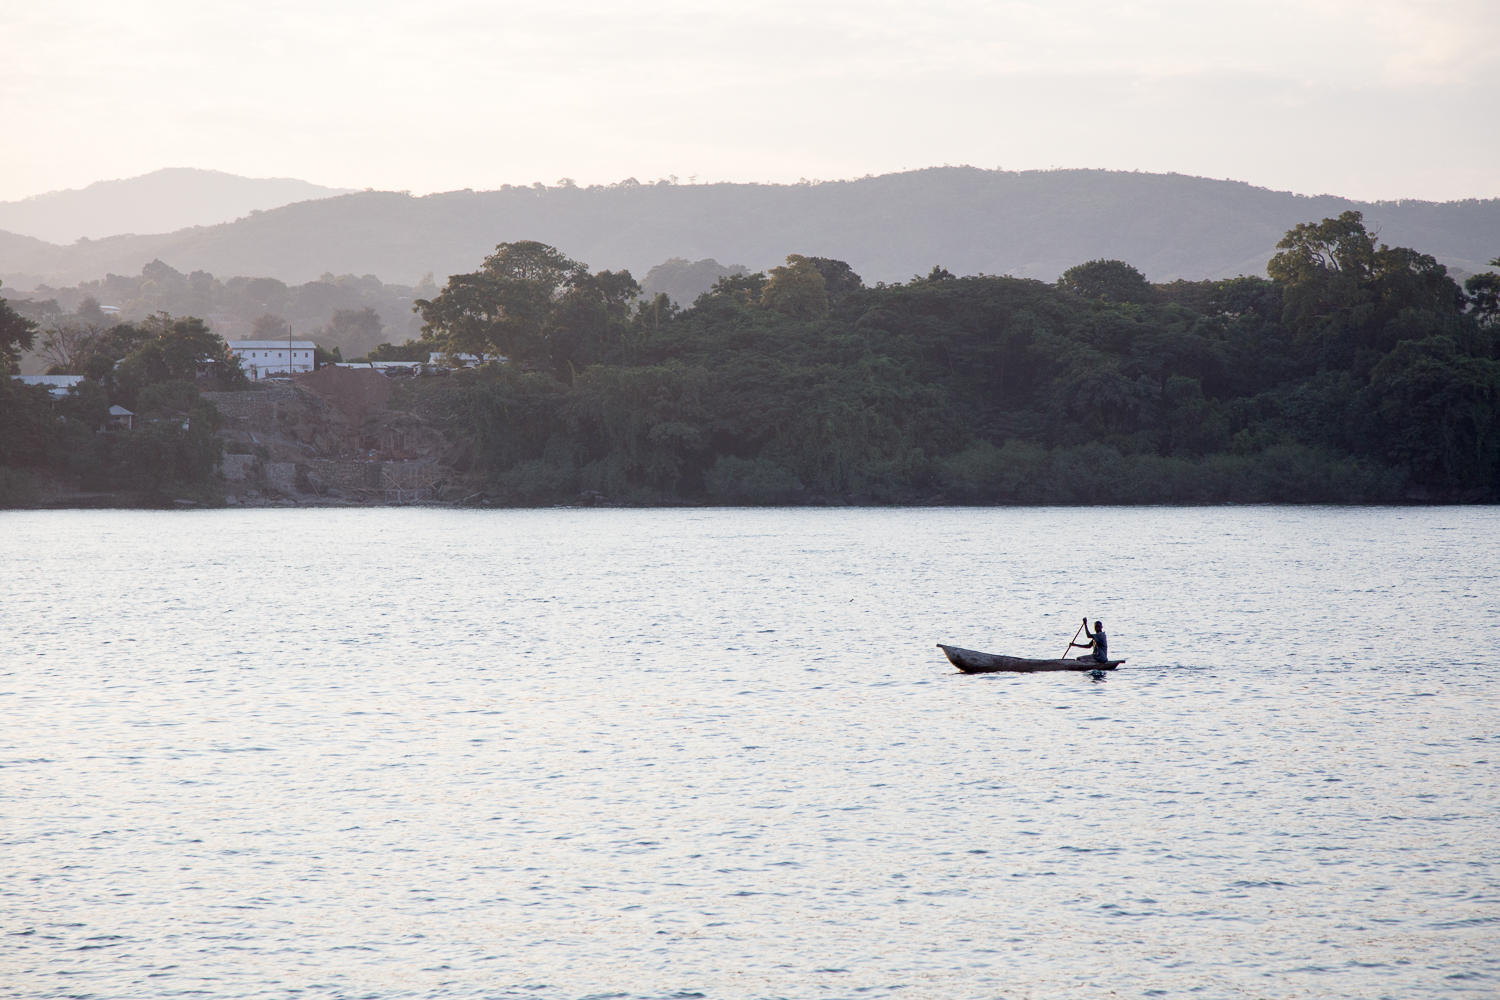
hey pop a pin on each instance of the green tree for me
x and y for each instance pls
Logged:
(1439, 413)
(744, 289)
(531, 304)
(505, 306)
(412, 350)
(174, 444)
(102, 353)
(839, 279)
(1109, 280)
(175, 350)
(798, 289)
(1484, 295)
(528, 260)
(27, 427)
(1344, 292)
(16, 335)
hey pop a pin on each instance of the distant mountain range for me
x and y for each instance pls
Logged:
(163, 201)
(1029, 224)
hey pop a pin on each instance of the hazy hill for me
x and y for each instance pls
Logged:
(1028, 224)
(160, 202)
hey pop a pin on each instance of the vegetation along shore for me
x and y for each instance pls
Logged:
(1356, 373)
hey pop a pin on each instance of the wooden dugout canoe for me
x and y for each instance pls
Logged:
(972, 662)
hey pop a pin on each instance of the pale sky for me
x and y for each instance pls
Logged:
(1371, 99)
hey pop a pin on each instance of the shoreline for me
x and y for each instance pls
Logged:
(116, 501)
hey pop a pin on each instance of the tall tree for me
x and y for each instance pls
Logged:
(528, 260)
(1484, 295)
(839, 279)
(798, 289)
(530, 303)
(1109, 280)
(16, 335)
(1344, 291)
(65, 345)
(175, 350)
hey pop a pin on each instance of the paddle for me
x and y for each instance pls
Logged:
(1064, 655)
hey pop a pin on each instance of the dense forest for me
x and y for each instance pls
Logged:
(1356, 373)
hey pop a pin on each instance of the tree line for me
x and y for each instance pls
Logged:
(1356, 372)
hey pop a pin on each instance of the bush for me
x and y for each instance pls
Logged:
(536, 481)
(757, 481)
(1024, 473)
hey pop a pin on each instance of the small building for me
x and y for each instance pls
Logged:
(119, 417)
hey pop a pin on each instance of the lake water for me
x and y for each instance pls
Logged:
(714, 753)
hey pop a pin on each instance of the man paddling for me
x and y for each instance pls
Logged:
(1098, 641)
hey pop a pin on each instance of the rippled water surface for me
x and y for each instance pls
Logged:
(571, 753)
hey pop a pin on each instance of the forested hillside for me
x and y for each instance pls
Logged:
(1030, 224)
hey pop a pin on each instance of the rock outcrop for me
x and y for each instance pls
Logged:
(330, 434)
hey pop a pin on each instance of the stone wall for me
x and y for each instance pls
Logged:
(238, 467)
(345, 475)
(259, 407)
(410, 475)
(280, 476)
(389, 480)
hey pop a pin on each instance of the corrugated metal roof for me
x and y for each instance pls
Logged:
(57, 380)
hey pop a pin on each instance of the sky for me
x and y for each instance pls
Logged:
(1369, 99)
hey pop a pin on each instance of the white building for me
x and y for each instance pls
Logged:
(268, 357)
